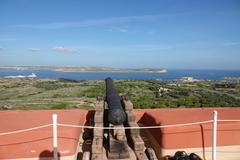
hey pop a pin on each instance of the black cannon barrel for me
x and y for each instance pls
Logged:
(116, 114)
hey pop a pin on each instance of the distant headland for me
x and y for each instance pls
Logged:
(86, 69)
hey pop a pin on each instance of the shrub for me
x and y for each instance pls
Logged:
(62, 105)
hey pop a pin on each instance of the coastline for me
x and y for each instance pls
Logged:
(86, 69)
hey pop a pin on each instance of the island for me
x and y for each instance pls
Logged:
(86, 69)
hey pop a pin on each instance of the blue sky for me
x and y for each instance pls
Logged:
(177, 34)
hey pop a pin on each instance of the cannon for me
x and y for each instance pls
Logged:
(121, 139)
(116, 141)
(116, 114)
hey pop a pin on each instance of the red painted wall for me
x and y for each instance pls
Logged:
(191, 136)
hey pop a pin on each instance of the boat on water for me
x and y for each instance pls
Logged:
(33, 75)
(162, 71)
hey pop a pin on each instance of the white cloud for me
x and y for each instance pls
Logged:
(62, 49)
(231, 43)
(152, 47)
(8, 39)
(35, 49)
(93, 22)
(151, 32)
(123, 30)
(118, 29)
(127, 29)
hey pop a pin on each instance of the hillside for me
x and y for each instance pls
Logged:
(28, 93)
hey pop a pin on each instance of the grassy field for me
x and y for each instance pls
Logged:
(25, 93)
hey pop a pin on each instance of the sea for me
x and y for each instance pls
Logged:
(171, 74)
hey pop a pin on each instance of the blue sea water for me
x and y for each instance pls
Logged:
(169, 75)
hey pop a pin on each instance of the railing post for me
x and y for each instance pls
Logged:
(55, 150)
(214, 136)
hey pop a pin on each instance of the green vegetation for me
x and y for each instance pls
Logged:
(64, 94)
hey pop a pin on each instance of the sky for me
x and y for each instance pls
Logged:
(173, 34)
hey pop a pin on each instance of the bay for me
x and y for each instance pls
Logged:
(169, 75)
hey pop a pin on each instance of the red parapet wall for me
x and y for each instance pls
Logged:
(39, 143)
(197, 136)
